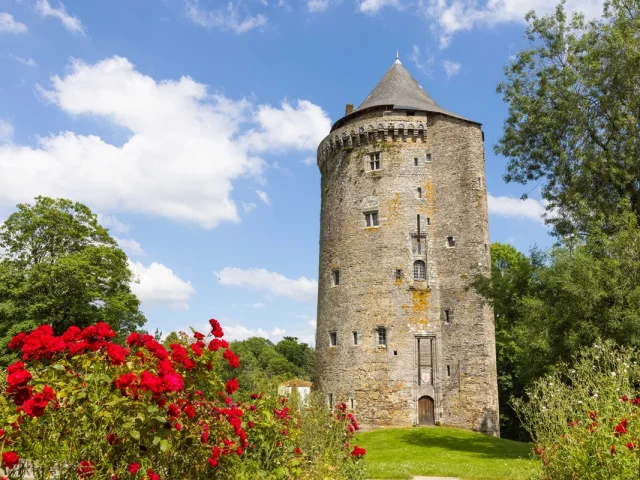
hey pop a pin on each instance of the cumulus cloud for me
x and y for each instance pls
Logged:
(453, 16)
(315, 6)
(373, 6)
(301, 127)
(264, 197)
(451, 68)
(157, 285)
(6, 131)
(225, 19)
(130, 246)
(112, 223)
(240, 332)
(9, 25)
(529, 209)
(70, 22)
(185, 149)
(276, 284)
(422, 62)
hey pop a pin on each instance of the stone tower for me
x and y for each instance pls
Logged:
(404, 228)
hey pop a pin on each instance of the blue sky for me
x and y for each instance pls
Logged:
(191, 128)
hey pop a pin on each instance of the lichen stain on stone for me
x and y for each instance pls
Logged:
(393, 208)
(416, 312)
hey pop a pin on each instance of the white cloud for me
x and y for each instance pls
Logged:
(112, 223)
(71, 23)
(6, 131)
(373, 6)
(185, 149)
(251, 305)
(130, 246)
(315, 6)
(264, 197)
(301, 127)
(302, 289)
(453, 16)
(529, 209)
(420, 64)
(30, 62)
(249, 207)
(159, 286)
(451, 68)
(9, 25)
(228, 19)
(309, 161)
(240, 332)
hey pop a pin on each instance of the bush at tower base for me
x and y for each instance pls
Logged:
(80, 406)
(585, 420)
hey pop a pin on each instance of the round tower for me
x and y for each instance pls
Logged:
(404, 228)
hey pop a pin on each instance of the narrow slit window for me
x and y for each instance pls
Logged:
(355, 338)
(371, 219)
(419, 192)
(418, 270)
(352, 403)
(382, 336)
(335, 277)
(330, 400)
(374, 161)
(428, 221)
(415, 162)
(451, 242)
(447, 316)
(333, 339)
(428, 157)
(448, 370)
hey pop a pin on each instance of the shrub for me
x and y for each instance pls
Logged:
(85, 407)
(585, 420)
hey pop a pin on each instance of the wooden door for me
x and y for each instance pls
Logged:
(425, 411)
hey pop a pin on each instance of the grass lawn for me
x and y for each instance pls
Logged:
(440, 451)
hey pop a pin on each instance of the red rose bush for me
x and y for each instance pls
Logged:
(81, 406)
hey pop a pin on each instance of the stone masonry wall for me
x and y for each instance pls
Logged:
(381, 384)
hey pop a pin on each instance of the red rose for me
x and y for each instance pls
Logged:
(10, 459)
(216, 330)
(357, 451)
(85, 469)
(298, 451)
(231, 358)
(231, 386)
(112, 438)
(174, 410)
(621, 428)
(133, 468)
(151, 475)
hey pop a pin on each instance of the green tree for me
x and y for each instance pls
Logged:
(299, 354)
(58, 266)
(574, 115)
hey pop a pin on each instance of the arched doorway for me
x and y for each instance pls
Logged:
(426, 414)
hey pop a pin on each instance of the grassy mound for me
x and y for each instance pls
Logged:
(448, 452)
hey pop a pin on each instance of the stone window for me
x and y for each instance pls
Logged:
(419, 192)
(448, 370)
(415, 162)
(479, 182)
(451, 242)
(333, 339)
(352, 403)
(398, 273)
(428, 157)
(335, 277)
(330, 400)
(419, 247)
(374, 161)
(382, 336)
(355, 338)
(371, 219)
(419, 270)
(428, 221)
(447, 316)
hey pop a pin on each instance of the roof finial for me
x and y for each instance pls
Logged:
(397, 57)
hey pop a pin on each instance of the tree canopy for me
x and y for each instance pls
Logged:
(58, 266)
(574, 115)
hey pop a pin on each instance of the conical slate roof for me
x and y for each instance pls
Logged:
(400, 89)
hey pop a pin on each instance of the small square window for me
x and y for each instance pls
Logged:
(419, 192)
(333, 339)
(398, 273)
(355, 338)
(451, 242)
(335, 278)
(374, 161)
(428, 157)
(371, 219)
(382, 336)
(415, 162)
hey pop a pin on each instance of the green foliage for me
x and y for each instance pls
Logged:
(574, 114)
(60, 267)
(401, 453)
(585, 420)
(265, 364)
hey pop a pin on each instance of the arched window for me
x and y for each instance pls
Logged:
(418, 270)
